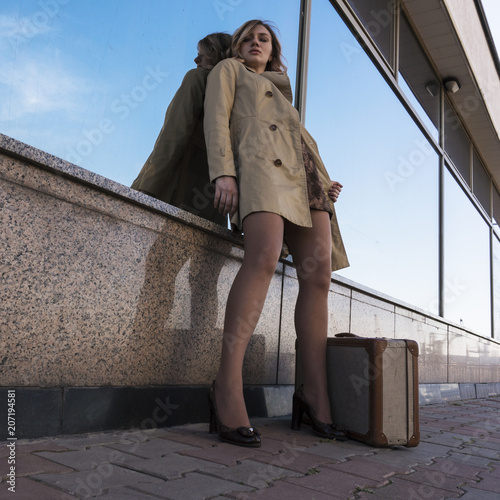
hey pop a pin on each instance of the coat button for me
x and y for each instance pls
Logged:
(269, 93)
(278, 163)
(272, 127)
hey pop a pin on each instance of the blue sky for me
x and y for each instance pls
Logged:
(89, 80)
(492, 10)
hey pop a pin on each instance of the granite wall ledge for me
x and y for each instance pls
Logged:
(24, 152)
(110, 287)
(109, 292)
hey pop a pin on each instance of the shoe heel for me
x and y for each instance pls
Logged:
(322, 429)
(297, 413)
(241, 436)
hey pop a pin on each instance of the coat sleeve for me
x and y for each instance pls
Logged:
(184, 111)
(219, 101)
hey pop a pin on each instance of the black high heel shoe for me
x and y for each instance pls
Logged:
(241, 436)
(299, 406)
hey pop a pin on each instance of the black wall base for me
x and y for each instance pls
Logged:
(57, 411)
(74, 410)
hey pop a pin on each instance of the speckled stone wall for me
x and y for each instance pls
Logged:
(97, 291)
(104, 286)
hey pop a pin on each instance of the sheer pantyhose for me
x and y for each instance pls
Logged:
(311, 251)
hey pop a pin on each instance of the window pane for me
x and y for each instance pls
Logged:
(90, 81)
(496, 211)
(466, 261)
(422, 85)
(481, 183)
(496, 285)
(456, 143)
(377, 16)
(388, 209)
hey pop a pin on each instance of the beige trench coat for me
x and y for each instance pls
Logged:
(177, 170)
(253, 133)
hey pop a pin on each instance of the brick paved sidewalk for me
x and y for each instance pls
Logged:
(458, 457)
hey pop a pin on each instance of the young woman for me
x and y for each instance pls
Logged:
(270, 179)
(177, 169)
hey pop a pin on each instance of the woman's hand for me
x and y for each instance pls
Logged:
(226, 195)
(334, 191)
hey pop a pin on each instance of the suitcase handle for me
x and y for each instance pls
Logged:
(343, 335)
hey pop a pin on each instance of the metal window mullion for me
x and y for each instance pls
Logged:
(395, 42)
(442, 167)
(303, 58)
(441, 257)
(471, 165)
(492, 284)
(492, 193)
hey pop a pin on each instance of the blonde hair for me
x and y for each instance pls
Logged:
(276, 63)
(217, 46)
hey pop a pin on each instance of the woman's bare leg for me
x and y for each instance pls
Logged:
(263, 236)
(311, 250)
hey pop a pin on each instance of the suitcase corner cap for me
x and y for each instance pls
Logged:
(412, 347)
(413, 441)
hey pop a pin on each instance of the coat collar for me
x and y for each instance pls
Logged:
(279, 79)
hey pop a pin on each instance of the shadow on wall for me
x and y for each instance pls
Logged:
(175, 337)
(179, 316)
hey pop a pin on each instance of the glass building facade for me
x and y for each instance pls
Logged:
(419, 210)
(416, 207)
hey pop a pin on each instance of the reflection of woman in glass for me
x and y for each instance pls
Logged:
(270, 178)
(177, 170)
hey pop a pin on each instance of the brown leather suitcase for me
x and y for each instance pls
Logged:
(373, 388)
